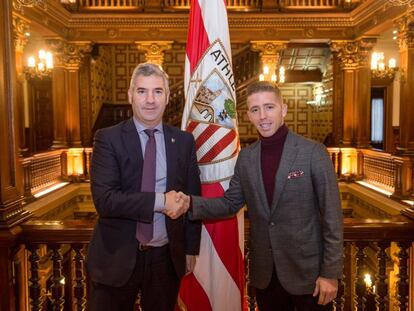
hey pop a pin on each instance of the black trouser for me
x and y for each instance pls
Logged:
(154, 276)
(276, 298)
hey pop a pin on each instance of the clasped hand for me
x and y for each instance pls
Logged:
(176, 204)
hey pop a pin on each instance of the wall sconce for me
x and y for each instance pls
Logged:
(269, 74)
(378, 67)
(318, 96)
(41, 66)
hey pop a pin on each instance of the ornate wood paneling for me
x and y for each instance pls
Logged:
(125, 58)
(174, 63)
(101, 79)
(298, 117)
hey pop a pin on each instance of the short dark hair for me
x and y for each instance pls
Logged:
(149, 69)
(264, 86)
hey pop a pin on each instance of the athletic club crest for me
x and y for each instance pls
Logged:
(214, 102)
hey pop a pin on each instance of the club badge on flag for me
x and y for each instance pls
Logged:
(217, 282)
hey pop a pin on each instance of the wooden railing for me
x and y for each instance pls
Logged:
(40, 171)
(388, 172)
(317, 4)
(68, 240)
(111, 4)
(232, 5)
(379, 169)
(44, 170)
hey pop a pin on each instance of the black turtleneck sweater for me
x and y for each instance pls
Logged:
(271, 152)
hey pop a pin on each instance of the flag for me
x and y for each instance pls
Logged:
(217, 282)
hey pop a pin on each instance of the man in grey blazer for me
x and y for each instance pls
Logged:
(294, 208)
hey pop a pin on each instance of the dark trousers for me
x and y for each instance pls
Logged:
(276, 298)
(154, 277)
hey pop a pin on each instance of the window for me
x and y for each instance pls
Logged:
(377, 117)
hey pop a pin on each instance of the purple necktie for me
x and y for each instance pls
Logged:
(144, 231)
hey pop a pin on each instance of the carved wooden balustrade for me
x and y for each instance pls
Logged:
(40, 171)
(317, 4)
(44, 170)
(379, 168)
(110, 4)
(232, 5)
(389, 172)
(69, 239)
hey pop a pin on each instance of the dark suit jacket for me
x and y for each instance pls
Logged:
(301, 233)
(116, 172)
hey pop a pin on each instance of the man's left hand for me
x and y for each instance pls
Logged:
(327, 290)
(190, 263)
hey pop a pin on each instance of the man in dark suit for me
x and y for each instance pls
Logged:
(136, 246)
(291, 192)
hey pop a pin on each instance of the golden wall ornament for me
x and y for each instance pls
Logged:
(353, 54)
(386, 74)
(20, 30)
(346, 52)
(410, 3)
(154, 50)
(405, 26)
(69, 54)
(19, 4)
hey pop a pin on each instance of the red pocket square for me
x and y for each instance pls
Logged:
(295, 174)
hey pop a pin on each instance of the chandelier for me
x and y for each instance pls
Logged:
(269, 74)
(41, 66)
(378, 67)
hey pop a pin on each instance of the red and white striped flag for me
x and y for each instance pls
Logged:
(210, 115)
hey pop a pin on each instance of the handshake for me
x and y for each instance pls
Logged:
(176, 204)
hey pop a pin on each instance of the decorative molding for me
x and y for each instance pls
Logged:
(19, 4)
(69, 54)
(154, 50)
(269, 52)
(268, 47)
(267, 24)
(346, 52)
(353, 54)
(20, 27)
(405, 26)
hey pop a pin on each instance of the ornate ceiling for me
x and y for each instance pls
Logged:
(270, 21)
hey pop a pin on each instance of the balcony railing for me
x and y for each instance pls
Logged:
(66, 241)
(232, 5)
(379, 169)
(317, 4)
(47, 169)
(110, 4)
(385, 171)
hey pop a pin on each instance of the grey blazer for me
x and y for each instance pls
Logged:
(301, 233)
